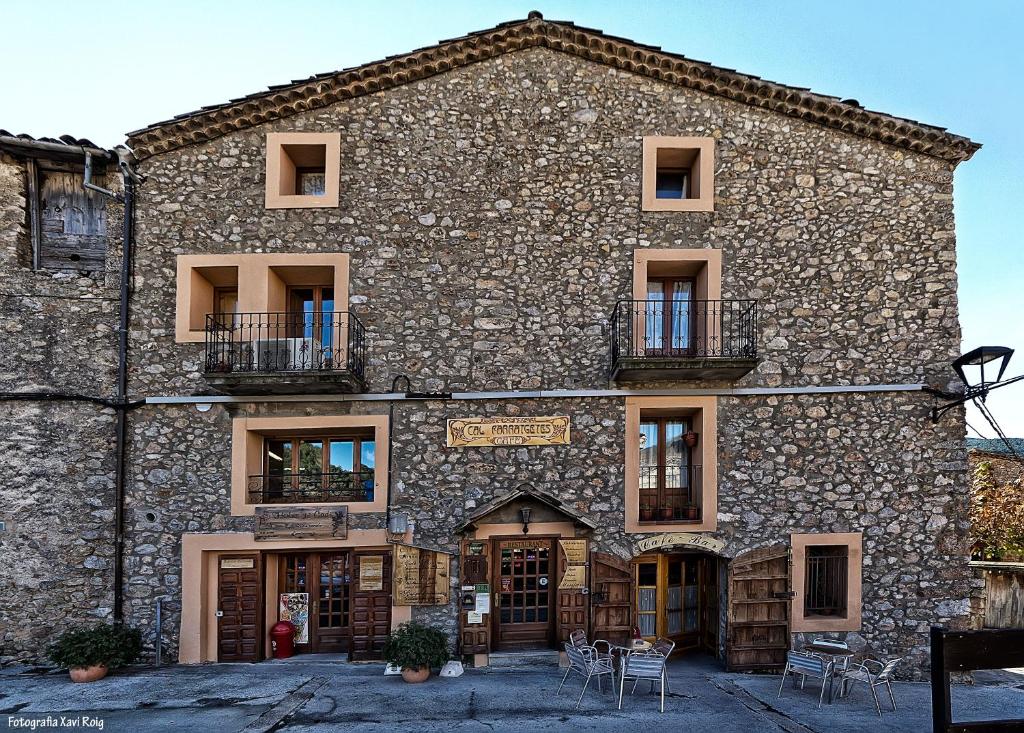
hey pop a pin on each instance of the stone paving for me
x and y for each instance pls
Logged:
(325, 694)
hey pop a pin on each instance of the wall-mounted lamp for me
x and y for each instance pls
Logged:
(524, 512)
(974, 391)
(203, 406)
(398, 523)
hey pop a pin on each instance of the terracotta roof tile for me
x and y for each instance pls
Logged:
(324, 89)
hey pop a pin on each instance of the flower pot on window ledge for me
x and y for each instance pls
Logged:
(691, 511)
(646, 513)
(666, 513)
(690, 438)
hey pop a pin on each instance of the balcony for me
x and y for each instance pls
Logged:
(683, 339)
(311, 488)
(670, 494)
(285, 353)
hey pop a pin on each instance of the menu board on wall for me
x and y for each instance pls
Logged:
(421, 577)
(371, 572)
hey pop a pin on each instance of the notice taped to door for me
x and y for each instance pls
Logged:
(371, 572)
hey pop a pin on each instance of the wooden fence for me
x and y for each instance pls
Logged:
(965, 651)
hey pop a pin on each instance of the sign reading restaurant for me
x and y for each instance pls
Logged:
(498, 431)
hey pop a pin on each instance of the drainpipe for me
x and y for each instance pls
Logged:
(121, 404)
(391, 444)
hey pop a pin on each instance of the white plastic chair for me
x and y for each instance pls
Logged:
(585, 661)
(646, 665)
(807, 665)
(874, 674)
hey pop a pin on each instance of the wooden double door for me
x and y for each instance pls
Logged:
(677, 597)
(349, 607)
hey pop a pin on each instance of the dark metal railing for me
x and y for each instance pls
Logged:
(285, 342)
(682, 329)
(825, 585)
(308, 488)
(670, 493)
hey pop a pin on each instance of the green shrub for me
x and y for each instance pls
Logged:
(413, 645)
(113, 645)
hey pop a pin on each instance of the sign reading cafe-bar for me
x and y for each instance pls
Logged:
(495, 431)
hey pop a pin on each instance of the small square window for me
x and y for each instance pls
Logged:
(678, 174)
(825, 580)
(302, 170)
(673, 183)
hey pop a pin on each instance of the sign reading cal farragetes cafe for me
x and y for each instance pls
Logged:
(498, 431)
(301, 523)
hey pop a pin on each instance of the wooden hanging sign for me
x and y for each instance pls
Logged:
(501, 431)
(681, 539)
(305, 523)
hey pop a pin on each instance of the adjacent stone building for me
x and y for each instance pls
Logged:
(534, 330)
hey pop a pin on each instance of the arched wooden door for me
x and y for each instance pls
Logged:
(760, 589)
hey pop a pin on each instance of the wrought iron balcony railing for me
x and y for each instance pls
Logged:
(670, 493)
(285, 342)
(311, 488)
(684, 329)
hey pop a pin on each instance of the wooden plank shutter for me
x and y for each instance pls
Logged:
(572, 605)
(73, 223)
(371, 609)
(475, 638)
(611, 602)
(758, 612)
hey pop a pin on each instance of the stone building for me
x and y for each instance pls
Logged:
(533, 330)
(59, 258)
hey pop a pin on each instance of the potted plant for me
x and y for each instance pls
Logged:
(666, 512)
(691, 511)
(690, 438)
(646, 512)
(416, 648)
(90, 652)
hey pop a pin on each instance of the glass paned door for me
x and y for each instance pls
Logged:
(524, 593)
(647, 599)
(669, 316)
(333, 602)
(665, 494)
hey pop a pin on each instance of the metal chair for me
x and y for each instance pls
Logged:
(664, 647)
(874, 674)
(585, 660)
(578, 637)
(841, 646)
(646, 665)
(807, 665)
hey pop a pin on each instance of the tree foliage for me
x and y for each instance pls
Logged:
(997, 514)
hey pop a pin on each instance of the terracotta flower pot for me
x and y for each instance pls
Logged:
(690, 438)
(420, 674)
(646, 514)
(88, 674)
(666, 512)
(691, 512)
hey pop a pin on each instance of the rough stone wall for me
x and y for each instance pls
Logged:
(59, 335)
(491, 215)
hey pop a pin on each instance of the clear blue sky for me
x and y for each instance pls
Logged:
(100, 69)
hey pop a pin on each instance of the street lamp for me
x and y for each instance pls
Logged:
(978, 357)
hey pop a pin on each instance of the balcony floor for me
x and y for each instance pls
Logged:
(653, 368)
(285, 383)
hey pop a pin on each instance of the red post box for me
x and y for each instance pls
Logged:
(282, 639)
